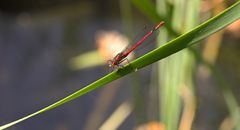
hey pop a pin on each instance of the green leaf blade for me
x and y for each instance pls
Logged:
(202, 31)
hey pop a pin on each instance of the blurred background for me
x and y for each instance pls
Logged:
(50, 49)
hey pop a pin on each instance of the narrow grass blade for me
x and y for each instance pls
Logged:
(200, 32)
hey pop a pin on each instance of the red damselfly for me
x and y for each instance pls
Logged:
(122, 56)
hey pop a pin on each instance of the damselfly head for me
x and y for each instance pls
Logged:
(110, 63)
